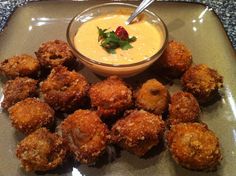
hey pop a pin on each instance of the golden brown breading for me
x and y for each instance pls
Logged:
(175, 60)
(31, 114)
(23, 65)
(138, 132)
(183, 108)
(152, 96)
(17, 90)
(41, 151)
(194, 146)
(54, 53)
(110, 96)
(63, 89)
(85, 134)
(202, 81)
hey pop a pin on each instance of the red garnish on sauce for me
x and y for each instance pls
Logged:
(122, 33)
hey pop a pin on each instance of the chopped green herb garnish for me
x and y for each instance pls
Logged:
(111, 40)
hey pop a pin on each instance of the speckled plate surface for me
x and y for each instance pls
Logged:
(194, 24)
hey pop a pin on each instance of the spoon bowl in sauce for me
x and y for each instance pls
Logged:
(148, 29)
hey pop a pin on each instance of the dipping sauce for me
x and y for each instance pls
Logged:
(149, 40)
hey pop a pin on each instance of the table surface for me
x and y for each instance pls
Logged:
(225, 9)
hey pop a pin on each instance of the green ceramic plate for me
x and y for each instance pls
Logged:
(194, 24)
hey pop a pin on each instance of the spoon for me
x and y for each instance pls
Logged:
(144, 4)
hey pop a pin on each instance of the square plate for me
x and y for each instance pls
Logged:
(194, 24)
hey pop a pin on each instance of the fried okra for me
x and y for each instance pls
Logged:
(194, 146)
(138, 132)
(175, 60)
(54, 53)
(202, 81)
(110, 96)
(22, 65)
(31, 114)
(17, 90)
(63, 89)
(86, 135)
(153, 96)
(183, 108)
(41, 151)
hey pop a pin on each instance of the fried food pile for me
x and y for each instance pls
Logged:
(108, 112)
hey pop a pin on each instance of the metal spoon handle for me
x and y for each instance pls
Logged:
(139, 10)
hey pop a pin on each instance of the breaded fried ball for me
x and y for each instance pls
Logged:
(41, 151)
(31, 114)
(17, 90)
(110, 96)
(194, 146)
(202, 81)
(63, 89)
(22, 65)
(183, 108)
(138, 132)
(86, 135)
(54, 53)
(153, 96)
(175, 60)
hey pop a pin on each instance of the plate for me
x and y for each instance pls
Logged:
(194, 24)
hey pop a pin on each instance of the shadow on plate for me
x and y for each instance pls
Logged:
(18, 136)
(215, 98)
(175, 24)
(151, 73)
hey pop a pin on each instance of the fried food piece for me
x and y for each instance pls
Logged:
(17, 90)
(63, 89)
(31, 114)
(175, 60)
(152, 96)
(138, 132)
(194, 146)
(22, 65)
(110, 96)
(202, 81)
(54, 53)
(85, 134)
(183, 108)
(41, 151)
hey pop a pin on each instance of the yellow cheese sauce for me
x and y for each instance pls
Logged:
(149, 40)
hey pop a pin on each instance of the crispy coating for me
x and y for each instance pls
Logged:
(153, 96)
(202, 81)
(194, 146)
(17, 90)
(85, 134)
(41, 151)
(63, 89)
(22, 65)
(54, 53)
(138, 132)
(31, 114)
(175, 60)
(183, 108)
(110, 96)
